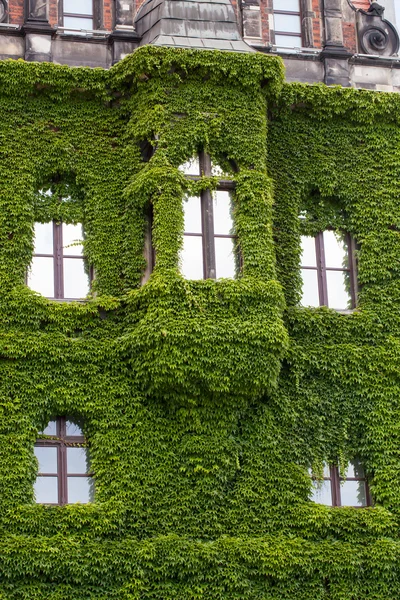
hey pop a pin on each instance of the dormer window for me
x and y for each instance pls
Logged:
(209, 244)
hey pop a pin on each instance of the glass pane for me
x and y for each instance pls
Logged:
(80, 489)
(217, 171)
(225, 257)
(46, 490)
(222, 203)
(50, 429)
(191, 167)
(78, 23)
(308, 254)
(355, 469)
(76, 281)
(73, 429)
(338, 284)
(322, 493)
(47, 458)
(71, 235)
(82, 7)
(43, 238)
(289, 23)
(192, 212)
(288, 41)
(287, 5)
(191, 257)
(41, 276)
(353, 493)
(77, 460)
(310, 295)
(336, 250)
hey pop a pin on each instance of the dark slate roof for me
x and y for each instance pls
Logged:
(204, 24)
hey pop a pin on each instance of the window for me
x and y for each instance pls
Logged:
(58, 268)
(334, 490)
(328, 269)
(287, 23)
(64, 475)
(209, 245)
(78, 14)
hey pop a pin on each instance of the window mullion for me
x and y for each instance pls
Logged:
(207, 221)
(58, 266)
(321, 269)
(351, 245)
(335, 486)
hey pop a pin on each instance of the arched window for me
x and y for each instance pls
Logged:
(64, 474)
(328, 269)
(209, 245)
(333, 490)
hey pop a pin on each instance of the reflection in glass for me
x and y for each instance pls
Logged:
(83, 7)
(77, 460)
(336, 250)
(310, 294)
(80, 489)
(191, 257)
(288, 41)
(41, 276)
(223, 223)
(289, 23)
(353, 493)
(73, 430)
(71, 235)
(76, 281)
(322, 492)
(224, 257)
(78, 23)
(50, 429)
(338, 292)
(47, 459)
(46, 490)
(355, 469)
(191, 167)
(43, 241)
(192, 214)
(308, 253)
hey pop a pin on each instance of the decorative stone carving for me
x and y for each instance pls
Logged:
(37, 10)
(124, 14)
(375, 34)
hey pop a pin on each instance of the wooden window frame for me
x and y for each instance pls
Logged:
(335, 480)
(61, 441)
(289, 13)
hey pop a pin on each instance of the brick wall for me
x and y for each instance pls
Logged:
(349, 36)
(317, 24)
(16, 11)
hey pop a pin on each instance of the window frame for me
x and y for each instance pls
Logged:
(322, 269)
(289, 13)
(207, 216)
(63, 14)
(335, 480)
(61, 441)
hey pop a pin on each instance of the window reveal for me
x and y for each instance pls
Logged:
(334, 490)
(287, 23)
(209, 245)
(328, 269)
(64, 475)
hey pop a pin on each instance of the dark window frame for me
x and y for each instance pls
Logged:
(61, 441)
(289, 13)
(322, 269)
(95, 16)
(207, 216)
(336, 479)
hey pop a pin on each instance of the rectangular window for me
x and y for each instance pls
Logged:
(333, 490)
(59, 269)
(78, 14)
(287, 23)
(328, 269)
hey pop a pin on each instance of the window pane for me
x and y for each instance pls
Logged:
(83, 7)
(287, 5)
(43, 238)
(310, 295)
(46, 490)
(353, 493)
(192, 212)
(217, 171)
(191, 258)
(47, 458)
(71, 235)
(78, 23)
(77, 460)
(41, 276)
(322, 493)
(308, 256)
(72, 429)
(50, 429)
(355, 469)
(289, 23)
(225, 257)
(336, 250)
(191, 167)
(80, 489)
(338, 284)
(223, 223)
(288, 41)
(76, 281)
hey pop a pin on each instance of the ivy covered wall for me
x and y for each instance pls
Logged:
(204, 403)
